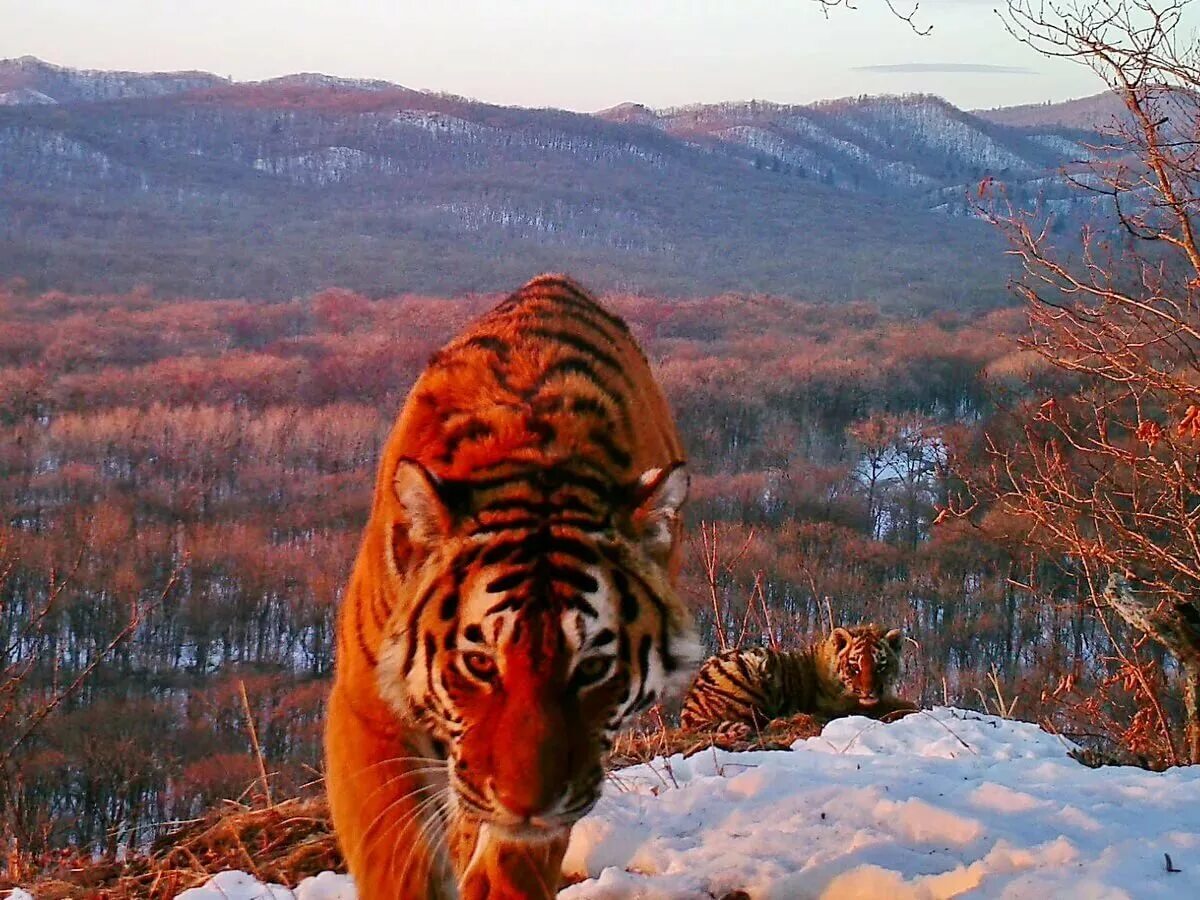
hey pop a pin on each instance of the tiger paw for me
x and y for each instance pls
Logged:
(732, 732)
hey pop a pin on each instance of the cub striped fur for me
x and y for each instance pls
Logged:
(850, 672)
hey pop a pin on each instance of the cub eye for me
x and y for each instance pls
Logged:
(591, 670)
(852, 668)
(480, 665)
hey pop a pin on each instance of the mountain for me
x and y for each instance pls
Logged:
(917, 148)
(1084, 113)
(30, 80)
(195, 184)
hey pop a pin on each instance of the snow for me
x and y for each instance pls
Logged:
(26, 97)
(945, 803)
(942, 804)
(240, 886)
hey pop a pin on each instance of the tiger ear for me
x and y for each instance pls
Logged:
(424, 516)
(841, 639)
(658, 496)
(895, 639)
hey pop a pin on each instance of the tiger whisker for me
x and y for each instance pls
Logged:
(367, 832)
(455, 817)
(405, 823)
(437, 853)
(434, 851)
(426, 765)
(391, 781)
(418, 846)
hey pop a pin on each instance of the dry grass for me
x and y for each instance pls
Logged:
(291, 840)
(640, 746)
(283, 843)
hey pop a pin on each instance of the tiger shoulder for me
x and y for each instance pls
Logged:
(851, 671)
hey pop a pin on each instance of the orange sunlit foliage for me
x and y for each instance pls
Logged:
(233, 442)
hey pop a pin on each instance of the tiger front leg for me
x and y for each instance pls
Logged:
(500, 867)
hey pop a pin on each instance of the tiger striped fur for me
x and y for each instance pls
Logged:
(852, 671)
(511, 605)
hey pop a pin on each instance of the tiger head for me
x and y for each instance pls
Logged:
(864, 662)
(530, 617)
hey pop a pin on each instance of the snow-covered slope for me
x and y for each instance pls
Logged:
(29, 80)
(944, 804)
(947, 803)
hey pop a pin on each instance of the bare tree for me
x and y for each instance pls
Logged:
(31, 689)
(1104, 467)
(905, 13)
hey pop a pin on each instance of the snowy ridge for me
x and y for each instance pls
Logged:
(438, 123)
(26, 97)
(321, 80)
(932, 125)
(51, 154)
(910, 145)
(942, 804)
(66, 85)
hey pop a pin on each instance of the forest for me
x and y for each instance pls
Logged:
(184, 483)
(184, 479)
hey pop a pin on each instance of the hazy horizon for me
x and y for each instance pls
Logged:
(670, 54)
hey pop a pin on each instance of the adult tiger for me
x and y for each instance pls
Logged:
(511, 603)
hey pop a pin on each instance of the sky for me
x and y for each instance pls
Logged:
(564, 53)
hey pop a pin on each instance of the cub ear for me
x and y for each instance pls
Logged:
(895, 639)
(424, 517)
(658, 496)
(841, 639)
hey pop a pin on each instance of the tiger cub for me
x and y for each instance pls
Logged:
(850, 672)
(512, 603)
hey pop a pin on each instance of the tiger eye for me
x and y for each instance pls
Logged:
(480, 665)
(591, 670)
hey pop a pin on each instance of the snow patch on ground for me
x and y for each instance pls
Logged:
(240, 886)
(942, 804)
(938, 805)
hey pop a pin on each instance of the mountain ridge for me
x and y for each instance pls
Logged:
(1084, 113)
(198, 184)
(1031, 114)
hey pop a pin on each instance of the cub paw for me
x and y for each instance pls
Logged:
(733, 731)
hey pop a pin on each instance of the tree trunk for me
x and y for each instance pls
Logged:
(1191, 708)
(1175, 625)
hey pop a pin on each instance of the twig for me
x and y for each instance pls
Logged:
(258, 756)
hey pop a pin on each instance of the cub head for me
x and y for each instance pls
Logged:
(865, 661)
(529, 617)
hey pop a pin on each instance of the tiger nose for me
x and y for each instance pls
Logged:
(524, 803)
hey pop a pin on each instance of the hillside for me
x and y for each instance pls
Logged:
(917, 149)
(1084, 113)
(28, 80)
(197, 185)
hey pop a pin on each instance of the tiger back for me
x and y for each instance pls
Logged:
(852, 671)
(511, 604)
